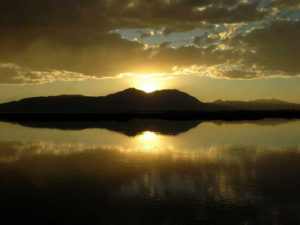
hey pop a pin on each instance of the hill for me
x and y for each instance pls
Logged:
(133, 103)
(127, 101)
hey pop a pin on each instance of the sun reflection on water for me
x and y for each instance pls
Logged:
(148, 135)
(149, 141)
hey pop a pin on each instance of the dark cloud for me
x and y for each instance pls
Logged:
(107, 54)
(112, 14)
(276, 48)
(206, 38)
(170, 30)
(10, 76)
(198, 39)
(147, 34)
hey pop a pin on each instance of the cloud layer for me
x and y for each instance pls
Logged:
(238, 38)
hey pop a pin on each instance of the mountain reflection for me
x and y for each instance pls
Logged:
(192, 178)
(131, 127)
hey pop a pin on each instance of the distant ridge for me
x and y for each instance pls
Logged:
(260, 104)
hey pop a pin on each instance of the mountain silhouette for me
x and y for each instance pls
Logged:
(127, 101)
(132, 103)
(260, 104)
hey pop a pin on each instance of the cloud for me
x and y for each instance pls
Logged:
(207, 38)
(13, 74)
(113, 14)
(276, 48)
(284, 4)
(107, 54)
(10, 76)
(261, 52)
(147, 34)
(75, 38)
(198, 39)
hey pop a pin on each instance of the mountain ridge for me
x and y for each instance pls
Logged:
(134, 100)
(128, 100)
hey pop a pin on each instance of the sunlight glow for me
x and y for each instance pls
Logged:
(149, 141)
(148, 82)
(148, 135)
(148, 87)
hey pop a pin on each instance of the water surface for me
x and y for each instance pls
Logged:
(151, 172)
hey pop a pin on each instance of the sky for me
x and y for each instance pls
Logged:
(211, 49)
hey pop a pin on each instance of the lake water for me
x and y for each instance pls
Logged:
(151, 172)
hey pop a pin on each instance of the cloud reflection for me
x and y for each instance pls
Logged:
(233, 180)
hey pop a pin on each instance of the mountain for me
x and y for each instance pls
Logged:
(261, 104)
(136, 101)
(127, 101)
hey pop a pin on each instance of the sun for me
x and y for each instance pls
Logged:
(147, 82)
(148, 87)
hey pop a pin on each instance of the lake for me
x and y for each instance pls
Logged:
(151, 172)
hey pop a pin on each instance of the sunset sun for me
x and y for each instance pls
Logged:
(148, 87)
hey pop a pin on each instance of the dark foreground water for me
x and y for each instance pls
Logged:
(150, 172)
